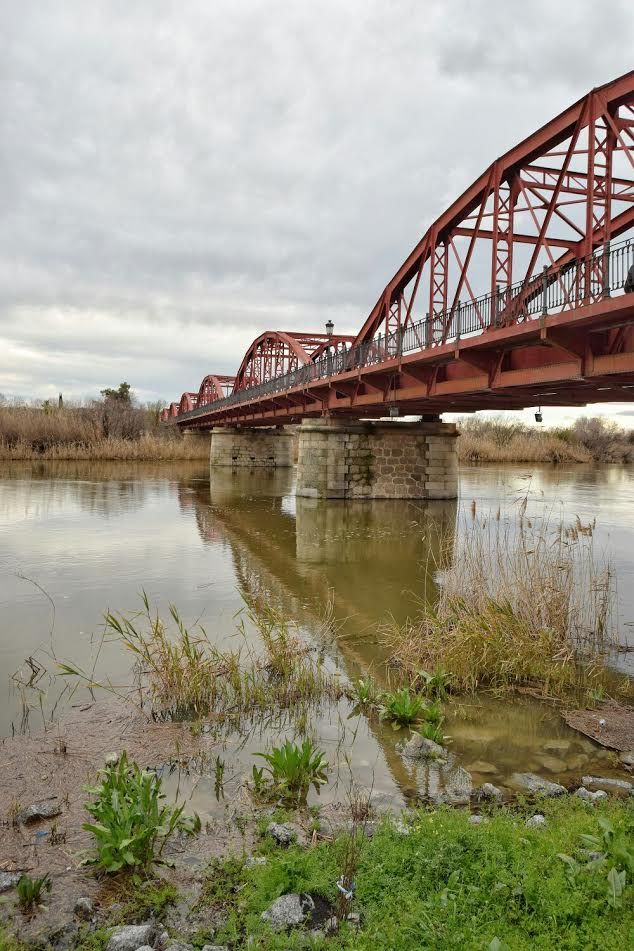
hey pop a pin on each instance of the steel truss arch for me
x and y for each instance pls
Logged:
(214, 386)
(277, 352)
(556, 192)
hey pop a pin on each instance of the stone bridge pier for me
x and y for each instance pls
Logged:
(344, 459)
(243, 447)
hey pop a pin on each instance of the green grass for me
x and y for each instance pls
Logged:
(450, 885)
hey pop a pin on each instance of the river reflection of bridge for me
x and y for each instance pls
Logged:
(374, 561)
(371, 561)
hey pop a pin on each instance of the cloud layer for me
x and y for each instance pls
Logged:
(178, 177)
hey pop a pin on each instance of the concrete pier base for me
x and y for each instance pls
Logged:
(242, 447)
(341, 459)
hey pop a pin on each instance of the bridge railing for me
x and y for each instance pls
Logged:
(581, 281)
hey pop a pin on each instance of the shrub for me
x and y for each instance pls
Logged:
(132, 823)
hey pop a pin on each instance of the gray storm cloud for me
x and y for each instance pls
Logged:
(177, 177)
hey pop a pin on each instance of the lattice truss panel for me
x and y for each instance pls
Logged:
(563, 193)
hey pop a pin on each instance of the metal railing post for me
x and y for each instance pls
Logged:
(544, 290)
(606, 269)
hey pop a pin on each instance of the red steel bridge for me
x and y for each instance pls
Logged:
(547, 229)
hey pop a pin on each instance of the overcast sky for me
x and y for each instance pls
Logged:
(176, 177)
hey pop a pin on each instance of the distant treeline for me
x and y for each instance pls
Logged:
(594, 439)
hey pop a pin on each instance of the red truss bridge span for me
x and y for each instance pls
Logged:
(547, 230)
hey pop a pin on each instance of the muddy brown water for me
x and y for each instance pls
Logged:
(77, 539)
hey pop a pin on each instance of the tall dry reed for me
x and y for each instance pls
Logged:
(522, 603)
(104, 430)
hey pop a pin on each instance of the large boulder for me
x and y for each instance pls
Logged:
(606, 781)
(419, 747)
(489, 793)
(132, 937)
(289, 911)
(536, 785)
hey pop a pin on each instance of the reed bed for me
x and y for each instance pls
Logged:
(508, 441)
(181, 675)
(522, 604)
(147, 447)
(104, 430)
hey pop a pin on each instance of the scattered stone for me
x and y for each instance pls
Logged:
(557, 746)
(215, 947)
(64, 938)
(401, 827)
(476, 820)
(489, 792)
(283, 832)
(8, 880)
(132, 937)
(592, 856)
(254, 860)
(112, 759)
(148, 947)
(602, 781)
(419, 747)
(627, 758)
(482, 767)
(553, 764)
(84, 908)
(47, 809)
(288, 911)
(162, 940)
(535, 784)
(179, 946)
(583, 793)
(537, 821)
(456, 787)
(383, 802)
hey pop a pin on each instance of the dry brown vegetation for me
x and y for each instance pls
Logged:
(521, 604)
(502, 440)
(103, 430)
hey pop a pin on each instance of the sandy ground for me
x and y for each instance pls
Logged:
(32, 769)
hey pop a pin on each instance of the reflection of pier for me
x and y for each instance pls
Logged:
(376, 559)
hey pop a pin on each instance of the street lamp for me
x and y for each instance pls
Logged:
(329, 328)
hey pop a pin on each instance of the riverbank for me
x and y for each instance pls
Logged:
(144, 448)
(107, 429)
(507, 441)
(546, 868)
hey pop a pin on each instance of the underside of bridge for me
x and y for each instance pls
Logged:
(548, 232)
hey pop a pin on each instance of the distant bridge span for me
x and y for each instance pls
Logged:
(548, 229)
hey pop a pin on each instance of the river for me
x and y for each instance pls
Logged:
(78, 539)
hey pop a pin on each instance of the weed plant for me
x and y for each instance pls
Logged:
(184, 676)
(30, 891)
(447, 884)
(402, 707)
(292, 769)
(132, 822)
